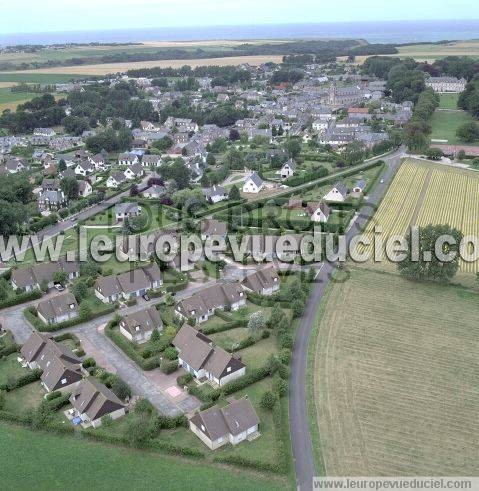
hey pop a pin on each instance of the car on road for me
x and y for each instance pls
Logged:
(59, 287)
(382, 181)
(146, 297)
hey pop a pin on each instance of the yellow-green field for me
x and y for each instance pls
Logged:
(423, 193)
(395, 388)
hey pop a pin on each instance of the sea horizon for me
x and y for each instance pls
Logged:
(398, 32)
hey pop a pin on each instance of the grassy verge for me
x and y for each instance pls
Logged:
(311, 406)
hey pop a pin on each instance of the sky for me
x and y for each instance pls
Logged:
(66, 15)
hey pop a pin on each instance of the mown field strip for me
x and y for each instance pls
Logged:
(396, 374)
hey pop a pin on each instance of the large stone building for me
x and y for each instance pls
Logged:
(446, 84)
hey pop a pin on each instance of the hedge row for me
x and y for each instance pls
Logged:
(30, 315)
(305, 177)
(28, 378)
(234, 386)
(225, 327)
(253, 464)
(20, 298)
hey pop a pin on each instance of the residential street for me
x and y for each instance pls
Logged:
(299, 425)
(150, 384)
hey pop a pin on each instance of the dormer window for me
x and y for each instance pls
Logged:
(241, 294)
(193, 312)
(137, 328)
(64, 381)
(72, 306)
(228, 369)
(275, 279)
(203, 428)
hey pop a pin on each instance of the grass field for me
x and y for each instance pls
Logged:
(52, 462)
(37, 78)
(106, 68)
(445, 124)
(10, 100)
(423, 194)
(395, 379)
(448, 101)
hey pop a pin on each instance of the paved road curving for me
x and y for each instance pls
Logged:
(299, 425)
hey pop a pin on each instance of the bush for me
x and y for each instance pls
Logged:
(185, 379)
(170, 422)
(89, 363)
(168, 366)
(170, 353)
(121, 389)
(268, 400)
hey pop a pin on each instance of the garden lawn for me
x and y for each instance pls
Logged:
(227, 339)
(10, 368)
(28, 397)
(53, 462)
(255, 356)
(445, 124)
(448, 101)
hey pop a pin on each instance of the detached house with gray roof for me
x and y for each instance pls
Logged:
(265, 281)
(139, 326)
(232, 424)
(199, 356)
(338, 193)
(58, 309)
(92, 401)
(253, 184)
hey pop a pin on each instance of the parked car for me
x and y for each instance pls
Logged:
(59, 287)
(146, 297)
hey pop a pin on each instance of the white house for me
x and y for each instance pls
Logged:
(233, 424)
(287, 170)
(338, 193)
(253, 184)
(128, 158)
(115, 180)
(319, 212)
(84, 189)
(215, 194)
(126, 210)
(199, 356)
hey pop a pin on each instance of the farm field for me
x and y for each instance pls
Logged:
(53, 462)
(395, 379)
(10, 100)
(424, 193)
(445, 123)
(36, 78)
(106, 68)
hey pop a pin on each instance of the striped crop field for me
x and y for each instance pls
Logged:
(424, 193)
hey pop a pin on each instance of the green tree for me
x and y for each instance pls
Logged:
(155, 336)
(468, 132)
(79, 290)
(256, 322)
(234, 193)
(70, 187)
(293, 147)
(60, 277)
(420, 266)
(121, 389)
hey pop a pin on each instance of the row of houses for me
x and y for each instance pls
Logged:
(62, 371)
(130, 284)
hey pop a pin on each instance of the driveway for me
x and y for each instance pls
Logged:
(300, 435)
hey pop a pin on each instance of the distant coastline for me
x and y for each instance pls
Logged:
(399, 32)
